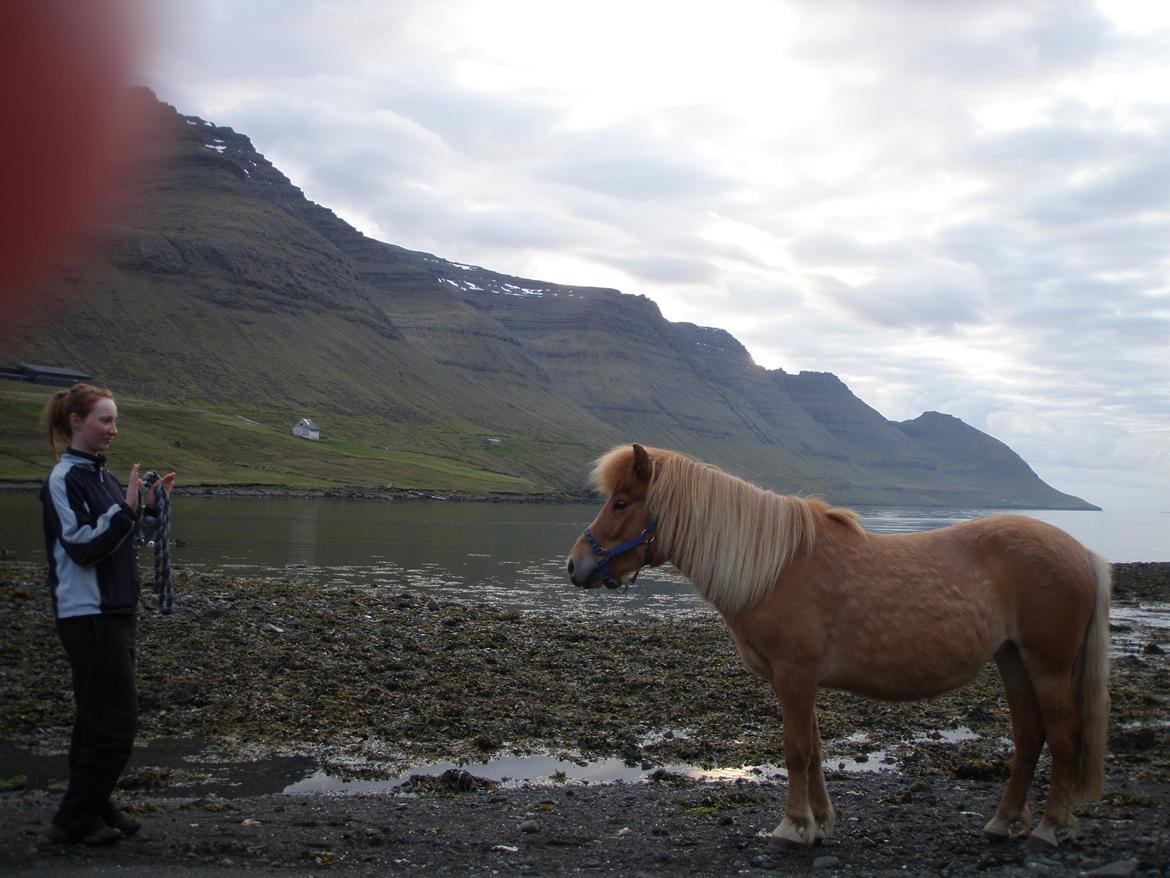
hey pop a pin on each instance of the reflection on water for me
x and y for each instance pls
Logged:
(509, 555)
(537, 770)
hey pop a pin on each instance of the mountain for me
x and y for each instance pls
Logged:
(236, 306)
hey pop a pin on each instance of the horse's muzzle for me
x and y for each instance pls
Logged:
(584, 572)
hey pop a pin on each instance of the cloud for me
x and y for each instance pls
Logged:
(663, 269)
(927, 293)
(959, 207)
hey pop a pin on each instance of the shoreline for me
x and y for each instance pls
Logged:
(268, 492)
(265, 492)
(367, 685)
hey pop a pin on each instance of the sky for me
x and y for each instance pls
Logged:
(953, 206)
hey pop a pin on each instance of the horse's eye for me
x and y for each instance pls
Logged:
(619, 505)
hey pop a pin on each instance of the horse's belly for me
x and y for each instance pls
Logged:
(905, 669)
(902, 684)
(913, 637)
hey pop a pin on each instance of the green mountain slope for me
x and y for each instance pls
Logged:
(227, 306)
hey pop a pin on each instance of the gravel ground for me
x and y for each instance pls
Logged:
(252, 686)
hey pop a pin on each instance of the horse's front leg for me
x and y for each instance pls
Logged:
(798, 705)
(818, 793)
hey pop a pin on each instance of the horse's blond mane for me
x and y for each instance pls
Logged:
(728, 537)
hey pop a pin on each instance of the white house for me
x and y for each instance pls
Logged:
(306, 429)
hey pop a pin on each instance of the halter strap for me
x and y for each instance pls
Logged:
(602, 555)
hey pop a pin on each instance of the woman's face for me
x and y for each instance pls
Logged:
(94, 433)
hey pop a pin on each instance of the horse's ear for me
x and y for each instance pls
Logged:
(641, 463)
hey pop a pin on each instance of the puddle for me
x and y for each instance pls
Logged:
(523, 771)
(508, 771)
(1142, 615)
(166, 767)
(1135, 626)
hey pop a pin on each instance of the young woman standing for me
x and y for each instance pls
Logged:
(93, 578)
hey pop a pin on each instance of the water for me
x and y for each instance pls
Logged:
(507, 554)
(518, 771)
(1120, 534)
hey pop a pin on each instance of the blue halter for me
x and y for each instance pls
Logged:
(602, 556)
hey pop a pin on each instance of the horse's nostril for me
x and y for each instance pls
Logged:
(570, 566)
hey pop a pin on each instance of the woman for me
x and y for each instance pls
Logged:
(93, 578)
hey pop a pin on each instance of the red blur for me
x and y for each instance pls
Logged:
(68, 130)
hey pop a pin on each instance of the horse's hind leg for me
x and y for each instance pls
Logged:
(1058, 709)
(1028, 738)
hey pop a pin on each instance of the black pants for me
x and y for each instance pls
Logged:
(101, 654)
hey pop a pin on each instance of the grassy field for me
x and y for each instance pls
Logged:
(217, 447)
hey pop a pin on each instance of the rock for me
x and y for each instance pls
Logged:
(453, 780)
(529, 825)
(487, 743)
(1037, 860)
(825, 862)
(1133, 740)
(1116, 869)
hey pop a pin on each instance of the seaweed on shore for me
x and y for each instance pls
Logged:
(379, 680)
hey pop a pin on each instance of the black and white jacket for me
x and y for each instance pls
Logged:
(89, 539)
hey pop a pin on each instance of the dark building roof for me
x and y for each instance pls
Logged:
(38, 374)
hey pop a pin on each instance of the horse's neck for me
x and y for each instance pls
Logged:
(729, 568)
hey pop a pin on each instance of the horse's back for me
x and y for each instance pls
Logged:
(912, 615)
(1017, 578)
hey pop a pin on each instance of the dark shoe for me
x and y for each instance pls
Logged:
(119, 821)
(102, 835)
(96, 833)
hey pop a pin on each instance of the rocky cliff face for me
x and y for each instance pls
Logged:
(256, 295)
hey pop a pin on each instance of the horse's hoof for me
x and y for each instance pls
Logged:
(995, 837)
(787, 837)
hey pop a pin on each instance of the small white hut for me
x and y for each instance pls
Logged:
(306, 429)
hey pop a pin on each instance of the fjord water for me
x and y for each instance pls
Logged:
(508, 554)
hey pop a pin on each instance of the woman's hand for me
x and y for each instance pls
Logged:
(132, 486)
(168, 483)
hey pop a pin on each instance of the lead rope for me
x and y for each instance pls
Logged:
(163, 582)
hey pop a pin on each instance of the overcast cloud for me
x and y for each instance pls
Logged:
(961, 206)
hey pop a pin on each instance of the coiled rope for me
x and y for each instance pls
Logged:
(161, 526)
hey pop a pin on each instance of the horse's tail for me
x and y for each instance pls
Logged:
(1091, 691)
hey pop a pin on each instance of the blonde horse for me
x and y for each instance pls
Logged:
(812, 599)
